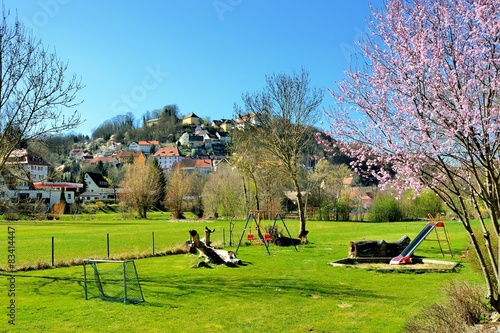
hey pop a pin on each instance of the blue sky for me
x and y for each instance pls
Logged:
(137, 56)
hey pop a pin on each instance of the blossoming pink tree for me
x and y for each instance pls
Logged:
(421, 108)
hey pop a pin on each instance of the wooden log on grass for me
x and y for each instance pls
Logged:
(214, 256)
(380, 248)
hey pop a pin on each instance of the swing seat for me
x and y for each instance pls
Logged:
(250, 237)
(267, 237)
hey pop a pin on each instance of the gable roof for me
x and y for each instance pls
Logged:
(103, 159)
(25, 156)
(76, 151)
(193, 164)
(149, 143)
(191, 115)
(128, 153)
(98, 179)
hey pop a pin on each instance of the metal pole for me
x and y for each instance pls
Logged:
(52, 251)
(124, 283)
(85, 278)
(107, 243)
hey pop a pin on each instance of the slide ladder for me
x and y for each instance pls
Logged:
(442, 237)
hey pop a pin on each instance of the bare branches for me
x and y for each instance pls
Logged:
(33, 89)
(276, 123)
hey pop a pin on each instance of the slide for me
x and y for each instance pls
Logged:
(407, 252)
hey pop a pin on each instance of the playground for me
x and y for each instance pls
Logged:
(369, 251)
(283, 290)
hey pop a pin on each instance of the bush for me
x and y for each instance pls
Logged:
(385, 209)
(427, 203)
(465, 308)
(11, 216)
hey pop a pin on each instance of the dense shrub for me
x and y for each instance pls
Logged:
(427, 203)
(385, 208)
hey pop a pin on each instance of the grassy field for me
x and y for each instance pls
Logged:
(286, 291)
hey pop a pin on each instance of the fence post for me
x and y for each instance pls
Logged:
(107, 243)
(53, 251)
(153, 241)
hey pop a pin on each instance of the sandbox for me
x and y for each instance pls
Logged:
(416, 264)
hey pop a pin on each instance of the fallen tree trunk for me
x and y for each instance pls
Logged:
(286, 241)
(215, 256)
(381, 248)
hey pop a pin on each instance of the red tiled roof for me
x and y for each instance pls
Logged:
(167, 152)
(148, 143)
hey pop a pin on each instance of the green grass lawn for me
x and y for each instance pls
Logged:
(286, 291)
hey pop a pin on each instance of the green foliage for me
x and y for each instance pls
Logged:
(385, 208)
(342, 210)
(428, 203)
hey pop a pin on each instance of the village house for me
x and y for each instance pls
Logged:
(131, 156)
(190, 165)
(24, 176)
(97, 187)
(152, 122)
(76, 154)
(191, 119)
(134, 146)
(223, 137)
(167, 156)
(33, 168)
(149, 146)
(112, 160)
(225, 125)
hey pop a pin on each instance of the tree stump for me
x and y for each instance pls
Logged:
(368, 248)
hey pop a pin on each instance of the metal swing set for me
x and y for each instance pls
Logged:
(264, 238)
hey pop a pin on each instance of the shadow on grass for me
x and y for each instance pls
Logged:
(242, 288)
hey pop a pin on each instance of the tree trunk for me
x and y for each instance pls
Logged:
(300, 203)
(378, 248)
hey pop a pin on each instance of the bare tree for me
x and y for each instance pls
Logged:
(222, 194)
(328, 178)
(33, 89)
(180, 185)
(278, 120)
(141, 186)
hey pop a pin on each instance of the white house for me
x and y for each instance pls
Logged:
(134, 146)
(97, 187)
(147, 146)
(167, 156)
(33, 169)
(24, 179)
